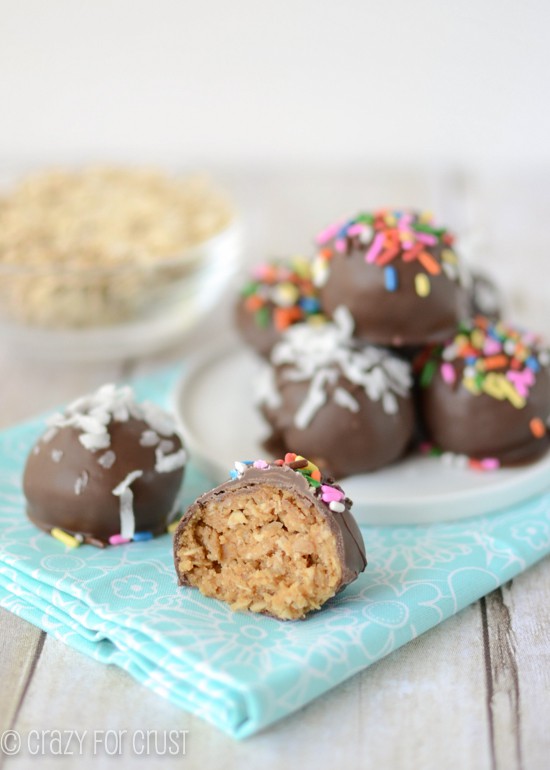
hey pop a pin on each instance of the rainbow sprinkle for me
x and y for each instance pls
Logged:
(487, 357)
(460, 461)
(387, 236)
(72, 541)
(495, 359)
(281, 294)
(331, 494)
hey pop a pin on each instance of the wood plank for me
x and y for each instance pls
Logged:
(83, 694)
(419, 707)
(384, 717)
(519, 662)
(502, 682)
(20, 648)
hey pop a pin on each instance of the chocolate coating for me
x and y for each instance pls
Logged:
(486, 393)
(341, 442)
(398, 316)
(345, 405)
(72, 487)
(481, 426)
(262, 339)
(349, 541)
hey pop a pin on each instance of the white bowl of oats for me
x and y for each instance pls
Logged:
(109, 262)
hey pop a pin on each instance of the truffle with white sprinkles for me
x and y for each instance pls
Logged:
(112, 471)
(346, 406)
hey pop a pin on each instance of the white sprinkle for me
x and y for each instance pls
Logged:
(49, 434)
(101, 415)
(149, 438)
(315, 398)
(95, 441)
(544, 357)
(81, 483)
(54, 419)
(365, 236)
(450, 353)
(92, 414)
(323, 354)
(107, 460)
(461, 461)
(168, 463)
(158, 419)
(240, 467)
(106, 392)
(126, 513)
(127, 518)
(88, 424)
(390, 403)
(344, 399)
(57, 454)
(125, 483)
(36, 450)
(344, 321)
(121, 413)
(337, 507)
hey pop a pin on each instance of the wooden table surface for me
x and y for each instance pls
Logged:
(472, 693)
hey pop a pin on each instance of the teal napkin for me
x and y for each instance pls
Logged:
(240, 671)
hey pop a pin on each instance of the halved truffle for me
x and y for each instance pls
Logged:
(278, 539)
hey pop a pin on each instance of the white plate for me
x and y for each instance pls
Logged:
(214, 406)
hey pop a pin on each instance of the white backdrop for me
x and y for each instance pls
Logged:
(354, 81)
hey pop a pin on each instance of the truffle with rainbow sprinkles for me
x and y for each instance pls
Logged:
(277, 538)
(278, 294)
(485, 394)
(398, 273)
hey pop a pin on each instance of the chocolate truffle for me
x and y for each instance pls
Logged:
(278, 538)
(345, 405)
(486, 394)
(398, 274)
(278, 295)
(107, 470)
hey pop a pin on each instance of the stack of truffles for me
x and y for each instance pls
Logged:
(383, 341)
